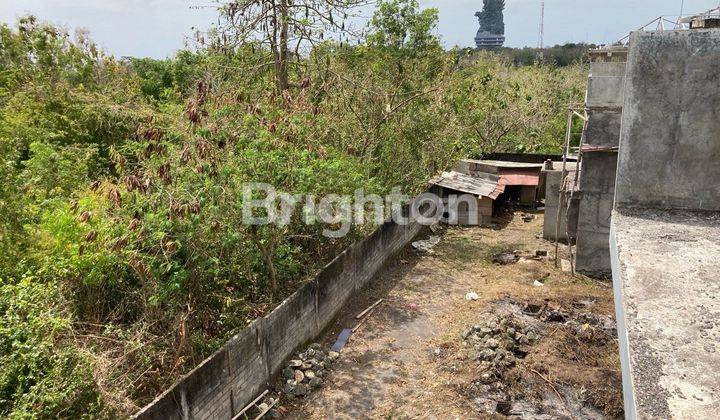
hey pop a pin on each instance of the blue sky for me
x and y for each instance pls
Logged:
(157, 28)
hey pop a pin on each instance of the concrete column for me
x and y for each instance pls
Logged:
(600, 141)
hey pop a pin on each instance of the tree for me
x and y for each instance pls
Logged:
(491, 17)
(283, 26)
(401, 24)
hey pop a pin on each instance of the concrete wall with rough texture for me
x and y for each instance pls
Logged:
(597, 178)
(670, 157)
(232, 377)
(665, 242)
(568, 222)
(603, 128)
(596, 204)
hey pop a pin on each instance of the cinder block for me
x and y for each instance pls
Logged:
(593, 253)
(605, 91)
(600, 68)
(603, 127)
(598, 172)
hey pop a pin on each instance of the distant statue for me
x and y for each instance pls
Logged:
(492, 25)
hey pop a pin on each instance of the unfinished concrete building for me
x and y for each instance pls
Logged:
(598, 159)
(665, 236)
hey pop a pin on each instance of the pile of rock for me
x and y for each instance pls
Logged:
(593, 327)
(497, 343)
(306, 372)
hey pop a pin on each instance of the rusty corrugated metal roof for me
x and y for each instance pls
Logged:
(468, 184)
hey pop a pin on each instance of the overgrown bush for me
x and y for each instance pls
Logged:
(121, 237)
(43, 374)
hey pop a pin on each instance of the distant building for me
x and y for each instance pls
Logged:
(485, 39)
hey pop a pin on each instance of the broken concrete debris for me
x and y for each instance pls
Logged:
(506, 258)
(306, 373)
(496, 345)
(511, 360)
(267, 408)
(342, 340)
(426, 245)
(498, 341)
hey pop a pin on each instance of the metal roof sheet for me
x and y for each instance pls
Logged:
(505, 164)
(468, 184)
(519, 176)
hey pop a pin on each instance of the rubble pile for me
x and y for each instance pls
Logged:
(306, 372)
(591, 327)
(496, 345)
(508, 258)
(585, 325)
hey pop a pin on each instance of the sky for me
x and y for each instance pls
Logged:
(158, 28)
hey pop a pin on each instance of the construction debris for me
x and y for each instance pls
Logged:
(496, 345)
(527, 218)
(342, 340)
(426, 245)
(370, 308)
(261, 409)
(506, 258)
(306, 372)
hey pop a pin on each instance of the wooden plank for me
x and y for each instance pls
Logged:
(369, 308)
(249, 406)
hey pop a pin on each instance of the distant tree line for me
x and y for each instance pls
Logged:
(559, 55)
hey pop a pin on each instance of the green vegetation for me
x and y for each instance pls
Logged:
(123, 260)
(560, 55)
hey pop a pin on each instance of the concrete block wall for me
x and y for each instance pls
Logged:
(604, 102)
(603, 128)
(233, 376)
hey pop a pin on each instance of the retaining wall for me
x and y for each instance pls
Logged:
(233, 376)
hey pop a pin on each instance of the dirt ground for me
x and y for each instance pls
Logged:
(409, 358)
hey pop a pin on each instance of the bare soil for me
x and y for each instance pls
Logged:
(409, 359)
